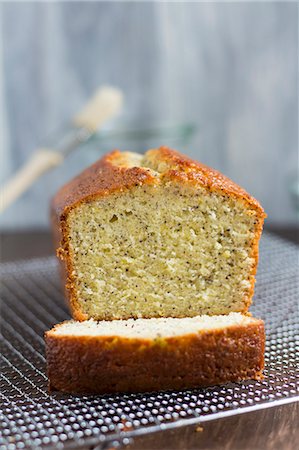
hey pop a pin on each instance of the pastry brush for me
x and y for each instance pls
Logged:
(104, 105)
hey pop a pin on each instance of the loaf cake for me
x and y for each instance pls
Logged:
(154, 354)
(156, 235)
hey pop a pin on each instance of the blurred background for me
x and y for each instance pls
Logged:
(218, 81)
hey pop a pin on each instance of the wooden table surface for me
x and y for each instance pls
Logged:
(267, 429)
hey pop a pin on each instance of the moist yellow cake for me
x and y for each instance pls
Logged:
(156, 235)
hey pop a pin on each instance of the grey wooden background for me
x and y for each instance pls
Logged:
(228, 68)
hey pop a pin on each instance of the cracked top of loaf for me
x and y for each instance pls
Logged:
(117, 171)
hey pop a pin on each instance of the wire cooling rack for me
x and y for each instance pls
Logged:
(31, 418)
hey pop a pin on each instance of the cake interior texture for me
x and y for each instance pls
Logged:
(162, 250)
(151, 328)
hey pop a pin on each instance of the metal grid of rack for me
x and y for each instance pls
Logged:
(31, 418)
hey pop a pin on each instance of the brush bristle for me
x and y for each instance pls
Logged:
(105, 103)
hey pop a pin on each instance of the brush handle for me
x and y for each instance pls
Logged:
(41, 161)
(104, 105)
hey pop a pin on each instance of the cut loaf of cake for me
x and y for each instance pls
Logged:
(155, 235)
(154, 354)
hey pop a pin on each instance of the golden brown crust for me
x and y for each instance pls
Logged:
(105, 177)
(110, 175)
(98, 364)
(100, 179)
(181, 167)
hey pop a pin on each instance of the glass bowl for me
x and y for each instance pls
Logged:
(135, 138)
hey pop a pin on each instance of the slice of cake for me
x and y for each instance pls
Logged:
(156, 235)
(154, 354)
